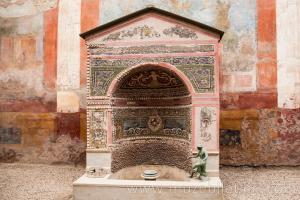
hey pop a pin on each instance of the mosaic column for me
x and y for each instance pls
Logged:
(98, 124)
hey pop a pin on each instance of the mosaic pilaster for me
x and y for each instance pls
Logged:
(97, 130)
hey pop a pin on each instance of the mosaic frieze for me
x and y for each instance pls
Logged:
(151, 82)
(180, 32)
(150, 122)
(152, 78)
(151, 93)
(97, 130)
(202, 77)
(141, 32)
(153, 49)
(199, 60)
(146, 32)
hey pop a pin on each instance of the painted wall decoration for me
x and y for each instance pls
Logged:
(10, 135)
(8, 155)
(237, 18)
(267, 137)
(229, 137)
(250, 51)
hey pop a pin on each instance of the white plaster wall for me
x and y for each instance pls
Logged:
(20, 8)
(98, 159)
(288, 53)
(68, 55)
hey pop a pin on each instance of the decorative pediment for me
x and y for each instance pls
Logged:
(151, 24)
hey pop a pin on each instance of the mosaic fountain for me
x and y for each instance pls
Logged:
(153, 96)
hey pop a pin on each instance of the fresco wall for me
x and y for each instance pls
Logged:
(32, 129)
(236, 17)
(37, 107)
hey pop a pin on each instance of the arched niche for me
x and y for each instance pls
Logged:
(151, 118)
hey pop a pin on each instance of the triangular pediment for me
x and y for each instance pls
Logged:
(151, 24)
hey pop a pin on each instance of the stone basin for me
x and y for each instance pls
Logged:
(165, 173)
(127, 183)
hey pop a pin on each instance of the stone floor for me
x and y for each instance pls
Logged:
(34, 181)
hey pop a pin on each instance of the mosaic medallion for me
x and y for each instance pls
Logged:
(155, 123)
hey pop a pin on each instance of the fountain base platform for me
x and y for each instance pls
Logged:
(111, 189)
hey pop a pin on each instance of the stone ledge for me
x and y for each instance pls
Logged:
(94, 188)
